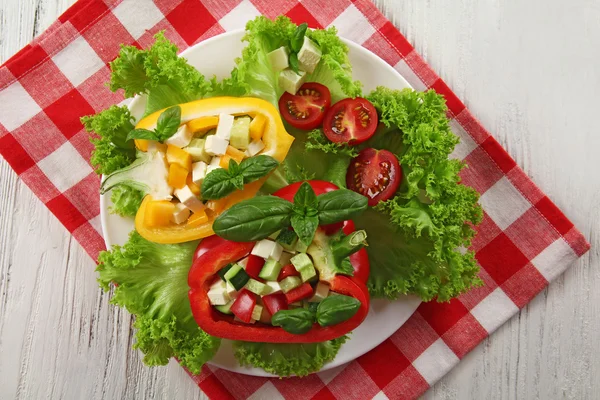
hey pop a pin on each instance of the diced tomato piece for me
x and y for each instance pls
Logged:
(300, 293)
(286, 271)
(254, 265)
(243, 306)
(275, 302)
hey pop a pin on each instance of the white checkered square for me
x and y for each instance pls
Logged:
(410, 76)
(78, 61)
(352, 25)
(327, 376)
(466, 145)
(435, 361)
(494, 310)
(267, 391)
(380, 396)
(65, 167)
(551, 262)
(96, 224)
(138, 15)
(504, 203)
(237, 18)
(16, 106)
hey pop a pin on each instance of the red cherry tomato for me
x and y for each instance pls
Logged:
(375, 174)
(350, 121)
(306, 109)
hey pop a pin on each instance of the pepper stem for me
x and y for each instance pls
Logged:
(349, 244)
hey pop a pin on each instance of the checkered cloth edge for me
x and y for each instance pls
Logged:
(524, 242)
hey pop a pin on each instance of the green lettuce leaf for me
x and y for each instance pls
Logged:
(317, 140)
(152, 284)
(108, 133)
(126, 200)
(299, 359)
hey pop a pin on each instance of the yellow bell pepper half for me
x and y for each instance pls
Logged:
(277, 144)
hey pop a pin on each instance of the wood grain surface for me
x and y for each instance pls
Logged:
(527, 69)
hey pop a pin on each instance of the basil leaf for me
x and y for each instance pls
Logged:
(305, 197)
(237, 181)
(142, 134)
(340, 205)
(335, 309)
(234, 168)
(253, 219)
(256, 167)
(168, 122)
(298, 38)
(294, 64)
(217, 184)
(305, 227)
(296, 321)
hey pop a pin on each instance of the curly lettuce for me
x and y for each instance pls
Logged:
(299, 359)
(126, 200)
(151, 282)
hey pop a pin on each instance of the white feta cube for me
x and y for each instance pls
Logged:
(188, 199)
(255, 147)
(215, 145)
(214, 162)
(321, 292)
(224, 126)
(230, 290)
(217, 294)
(290, 81)
(275, 287)
(198, 172)
(211, 168)
(243, 262)
(279, 59)
(182, 137)
(181, 214)
(267, 249)
(309, 55)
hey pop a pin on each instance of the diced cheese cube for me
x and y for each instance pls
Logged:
(321, 292)
(255, 147)
(182, 137)
(309, 55)
(211, 168)
(267, 249)
(217, 293)
(216, 145)
(231, 292)
(198, 172)
(256, 312)
(279, 59)
(214, 162)
(186, 196)
(153, 146)
(224, 127)
(290, 81)
(181, 214)
(275, 287)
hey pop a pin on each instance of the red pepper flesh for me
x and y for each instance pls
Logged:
(286, 271)
(254, 266)
(300, 293)
(275, 302)
(243, 305)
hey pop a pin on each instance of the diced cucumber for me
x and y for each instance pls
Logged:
(274, 235)
(285, 258)
(256, 312)
(196, 150)
(240, 133)
(287, 238)
(226, 308)
(223, 271)
(304, 266)
(270, 270)
(301, 247)
(237, 276)
(289, 283)
(257, 287)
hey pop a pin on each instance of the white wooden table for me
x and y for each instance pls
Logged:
(529, 70)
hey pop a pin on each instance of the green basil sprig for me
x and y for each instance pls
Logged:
(296, 321)
(336, 309)
(295, 45)
(167, 124)
(221, 182)
(259, 217)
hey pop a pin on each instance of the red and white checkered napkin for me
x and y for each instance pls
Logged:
(523, 243)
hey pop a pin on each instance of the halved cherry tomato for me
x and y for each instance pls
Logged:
(375, 174)
(306, 109)
(350, 121)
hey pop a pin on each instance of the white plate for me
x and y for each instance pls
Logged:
(216, 56)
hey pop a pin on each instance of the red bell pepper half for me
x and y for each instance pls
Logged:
(213, 322)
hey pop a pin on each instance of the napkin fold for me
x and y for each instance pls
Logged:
(524, 242)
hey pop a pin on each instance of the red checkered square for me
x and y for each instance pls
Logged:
(60, 38)
(171, 33)
(384, 363)
(577, 242)
(271, 9)
(89, 16)
(498, 154)
(28, 136)
(166, 6)
(532, 233)
(472, 126)
(501, 258)
(420, 68)
(191, 20)
(521, 293)
(39, 184)
(219, 9)
(524, 185)
(214, 388)
(326, 11)
(408, 385)
(464, 335)
(6, 77)
(300, 14)
(90, 239)
(353, 373)
(452, 101)
(442, 316)
(106, 37)
(378, 44)
(414, 337)
(68, 214)
(324, 394)
(26, 60)
(95, 92)
(474, 296)
(299, 388)
(395, 38)
(372, 14)
(36, 84)
(14, 154)
(84, 196)
(553, 214)
(66, 112)
(240, 386)
(486, 231)
(482, 173)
